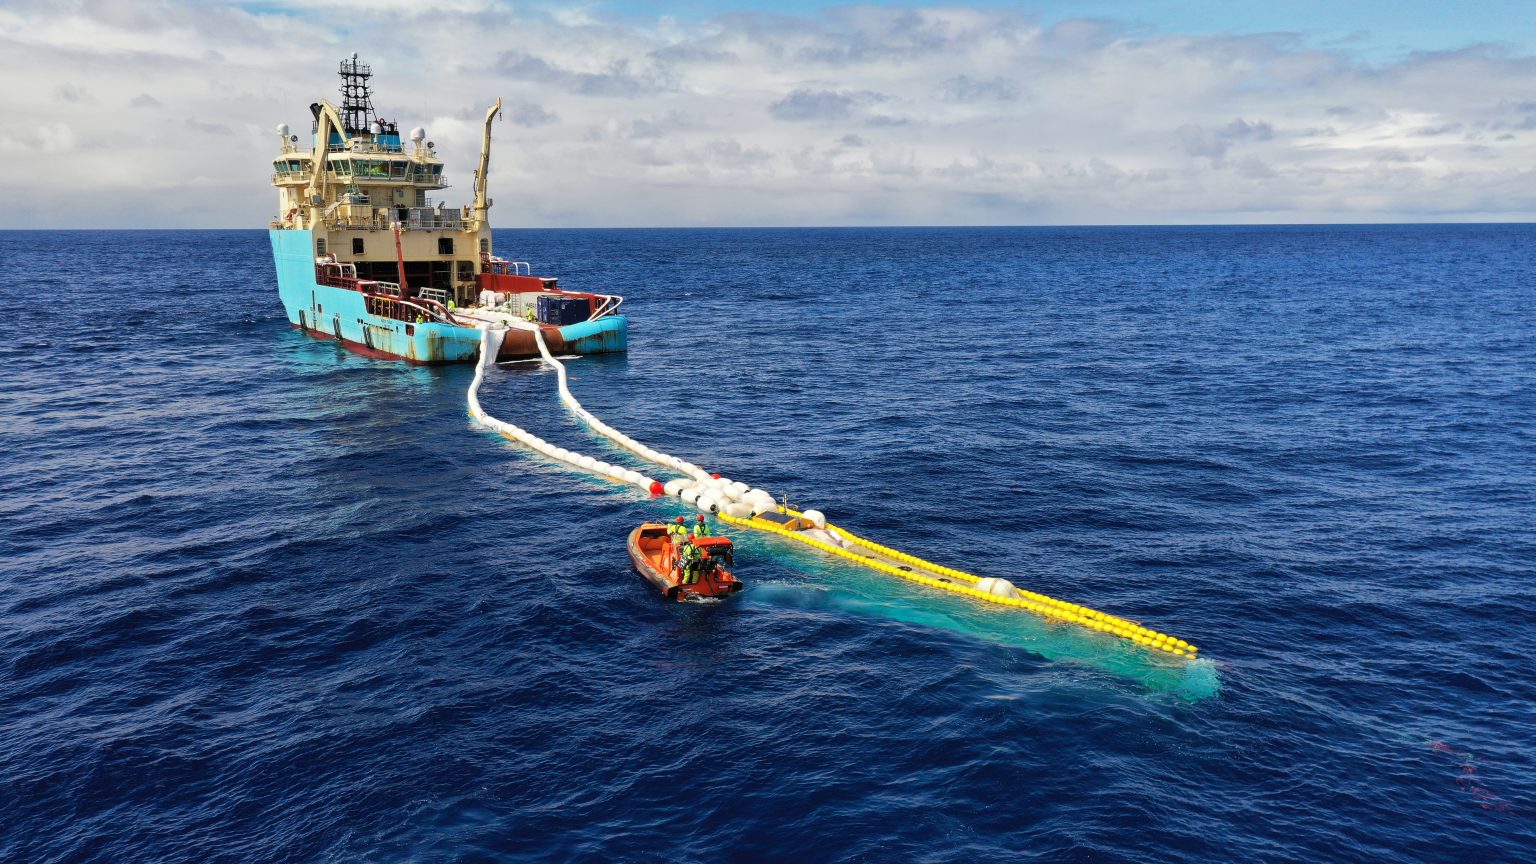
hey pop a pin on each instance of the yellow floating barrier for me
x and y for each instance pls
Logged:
(1039, 604)
(955, 581)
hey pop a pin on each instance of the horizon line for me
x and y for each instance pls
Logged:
(1531, 221)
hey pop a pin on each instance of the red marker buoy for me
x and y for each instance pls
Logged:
(715, 476)
(656, 487)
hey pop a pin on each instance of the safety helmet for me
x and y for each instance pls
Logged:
(680, 520)
(690, 535)
(701, 517)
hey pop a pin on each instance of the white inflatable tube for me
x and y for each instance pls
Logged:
(490, 344)
(709, 494)
(599, 426)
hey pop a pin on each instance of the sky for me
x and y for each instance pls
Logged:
(630, 113)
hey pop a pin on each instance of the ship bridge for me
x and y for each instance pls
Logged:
(365, 196)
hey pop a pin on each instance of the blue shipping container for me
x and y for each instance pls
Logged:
(558, 310)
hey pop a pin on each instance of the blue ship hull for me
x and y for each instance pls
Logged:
(340, 313)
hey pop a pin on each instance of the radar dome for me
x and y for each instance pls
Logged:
(374, 128)
(282, 130)
(418, 134)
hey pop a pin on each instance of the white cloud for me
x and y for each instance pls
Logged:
(851, 116)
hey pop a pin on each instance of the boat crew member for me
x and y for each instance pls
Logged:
(693, 559)
(677, 531)
(700, 529)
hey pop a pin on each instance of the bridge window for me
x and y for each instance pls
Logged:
(397, 170)
(485, 245)
(445, 245)
(319, 245)
(357, 245)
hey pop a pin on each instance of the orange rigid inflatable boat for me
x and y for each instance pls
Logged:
(652, 553)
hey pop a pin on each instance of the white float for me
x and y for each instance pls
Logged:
(998, 587)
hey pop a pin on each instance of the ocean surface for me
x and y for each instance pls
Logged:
(265, 600)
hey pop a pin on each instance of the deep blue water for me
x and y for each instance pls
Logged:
(264, 600)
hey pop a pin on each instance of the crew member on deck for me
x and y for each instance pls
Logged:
(701, 529)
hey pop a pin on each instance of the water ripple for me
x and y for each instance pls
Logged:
(266, 600)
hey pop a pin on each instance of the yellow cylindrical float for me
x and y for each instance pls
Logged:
(1040, 604)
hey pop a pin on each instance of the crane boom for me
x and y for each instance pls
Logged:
(326, 122)
(483, 203)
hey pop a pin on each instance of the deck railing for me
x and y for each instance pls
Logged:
(384, 298)
(387, 223)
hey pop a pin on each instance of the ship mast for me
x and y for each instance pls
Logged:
(356, 97)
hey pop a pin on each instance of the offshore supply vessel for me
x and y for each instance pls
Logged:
(365, 256)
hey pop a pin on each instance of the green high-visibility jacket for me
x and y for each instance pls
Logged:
(700, 530)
